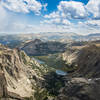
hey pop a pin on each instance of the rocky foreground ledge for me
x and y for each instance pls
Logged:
(19, 74)
(4, 93)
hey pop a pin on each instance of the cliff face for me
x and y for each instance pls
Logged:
(84, 83)
(3, 84)
(19, 74)
(89, 62)
(70, 56)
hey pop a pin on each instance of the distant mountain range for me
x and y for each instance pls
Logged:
(14, 40)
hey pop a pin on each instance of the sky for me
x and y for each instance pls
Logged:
(33, 16)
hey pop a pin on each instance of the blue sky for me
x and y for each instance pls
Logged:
(29, 16)
(52, 6)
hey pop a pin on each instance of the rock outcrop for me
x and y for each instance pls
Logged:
(19, 73)
(70, 56)
(89, 62)
(84, 83)
(3, 85)
(80, 89)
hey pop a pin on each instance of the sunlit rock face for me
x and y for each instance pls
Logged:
(18, 73)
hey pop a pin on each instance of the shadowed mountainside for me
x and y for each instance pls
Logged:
(89, 61)
(84, 83)
(37, 47)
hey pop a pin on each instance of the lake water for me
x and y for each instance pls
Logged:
(60, 72)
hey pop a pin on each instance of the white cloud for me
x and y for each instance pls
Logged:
(66, 10)
(93, 7)
(66, 22)
(3, 14)
(72, 9)
(45, 6)
(52, 21)
(69, 9)
(76, 16)
(52, 15)
(3, 18)
(76, 10)
(24, 6)
(70, 17)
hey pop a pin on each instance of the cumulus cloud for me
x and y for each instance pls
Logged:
(51, 21)
(70, 16)
(52, 15)
(73, 9)
(66, 22)
(57, 21)
(67, 10)
(76, 16)
(23, 6)
(93, 7)
(76, 10)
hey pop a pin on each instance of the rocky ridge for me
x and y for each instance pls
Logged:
(19, 74)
